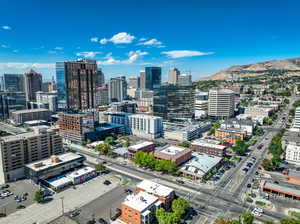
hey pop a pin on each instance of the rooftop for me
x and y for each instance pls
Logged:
(30, 111)
(155, 188)
(208, 144)
(171, 150)
(200, 163)
(81, 172)
(140, 145)
(53, 161)
(282, 189)
(140, 201)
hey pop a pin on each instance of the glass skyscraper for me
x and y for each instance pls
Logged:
(61, 82)
(152, 78)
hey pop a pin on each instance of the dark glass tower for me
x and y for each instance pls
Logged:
(152, 77)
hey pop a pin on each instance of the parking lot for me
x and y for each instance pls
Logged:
(8, 204)
(104, 206)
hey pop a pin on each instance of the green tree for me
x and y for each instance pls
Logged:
(241, 147)
(109, 140)
(185, 144)
(180, 206)
(39, 196)
(100, 167)
(103, 148)
(247, 218)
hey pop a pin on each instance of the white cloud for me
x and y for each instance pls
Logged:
(3, 46)
(185, 53)
(58, 48)
(6, 27)
(142, 39)
(52, 52)
(133, 56)
(88, 54)
(15, 51)
(103, 41)
(119, 38)
(94, 39)
(25, 65)
(152, 43)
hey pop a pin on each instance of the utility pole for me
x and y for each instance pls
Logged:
(62, 205)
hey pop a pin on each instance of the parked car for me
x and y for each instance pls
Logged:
(21, 206)
(180, 181)
(102, 221)
(74, 213)
(248, 185)
(106, 182)
(129, 191)
(2, 215)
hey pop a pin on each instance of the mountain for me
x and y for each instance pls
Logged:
(287, 67)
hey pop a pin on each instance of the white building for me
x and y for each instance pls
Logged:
(258, 111)
(244, 125)
(146, 126)
(201, 105)
(47, 100)
(184, 80)
(292, 154)
(297, 118)
(117, 89)
(221, 103)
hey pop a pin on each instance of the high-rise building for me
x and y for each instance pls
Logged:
(61, 82)
(10, 101)
(173, 102)
(117, 89)
(13, 82)
(100, 78)
(184, 80)
(173, 76)
(101, 97)
(297, 119)
(33, 83)
(152, 78)
(134, 82)
(80, 80)
(142, 79)
(201, 105)
(25, 148)
(47, 100)
(221, 103)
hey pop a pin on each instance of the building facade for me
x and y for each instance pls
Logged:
(201, 105)
(101, 96)
(47, 100)
(33, 84)
(173, 75)
(152, 78)
(21, 116)
(297, 118)
(184, 80)
(13, 82)
(117, 89)
(221, 103)
(176, 154)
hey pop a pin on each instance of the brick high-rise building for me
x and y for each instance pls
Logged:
(33, 83)
(80, 81)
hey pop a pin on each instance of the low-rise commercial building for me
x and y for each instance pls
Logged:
(209, 147)
(148, 147)
(184, 132)
(258, 111)
(230, 135)
(176, 154)
(244, 125)
(199, 165)
(21, 116)
(292, 154)
(19, 150)
(281, 190)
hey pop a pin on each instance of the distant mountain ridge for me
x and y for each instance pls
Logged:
(287, 67)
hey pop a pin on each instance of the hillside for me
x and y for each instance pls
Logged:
(288, 67)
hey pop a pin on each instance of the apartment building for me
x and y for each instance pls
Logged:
(297, 118)
(209, 147)
(230, 135)
(292, 154)
(146, 126)
(18, 150)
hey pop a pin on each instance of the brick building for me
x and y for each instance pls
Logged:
(176, 154)
(207, 147)
(230, 135)
(141, 147)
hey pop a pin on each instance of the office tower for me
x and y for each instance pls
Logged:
(173, 102)
(101, 97)
(80, 83)
(173, 76)
(221, 103)
(13, 82)
(117, 89)
(33, 83)
(184, 80)
(134, 82)
(10, 101)
(61, 82)
(21, 116)
(19, 150)
(100, 78)
(47, 100)
(297, 119)
(151, 78)
(201, 105)
(142, 79)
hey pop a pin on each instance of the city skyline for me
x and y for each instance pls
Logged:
(203, 37)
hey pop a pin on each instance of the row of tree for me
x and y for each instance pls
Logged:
(275, 148)
(148, 160)
(240, 147)
(179, 208)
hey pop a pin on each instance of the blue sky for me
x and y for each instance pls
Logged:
(201, 36)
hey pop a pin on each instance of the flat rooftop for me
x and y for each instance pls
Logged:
(140, 145)
(140, 201)
(30, 111)
(282, 189)
(208, 144)
(171, 150)
(81, 172)
(53, 161)
(155, 188)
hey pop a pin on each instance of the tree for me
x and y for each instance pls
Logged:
(185, 144)
(267, 164)
(241, 147)
(247, 218)
(180, 206)
(100, 167)
(109, 140)
(103, 148)
(39, 196)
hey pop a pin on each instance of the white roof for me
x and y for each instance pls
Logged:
(293, 147)
(60, 182)
(200, 163)
(172, 150)
(95, 143)
(155, 188)
(140, 201)
(207, 144)
(140, 145)
(81, 172)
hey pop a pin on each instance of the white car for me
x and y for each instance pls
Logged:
(256, 213)
(260, 210)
